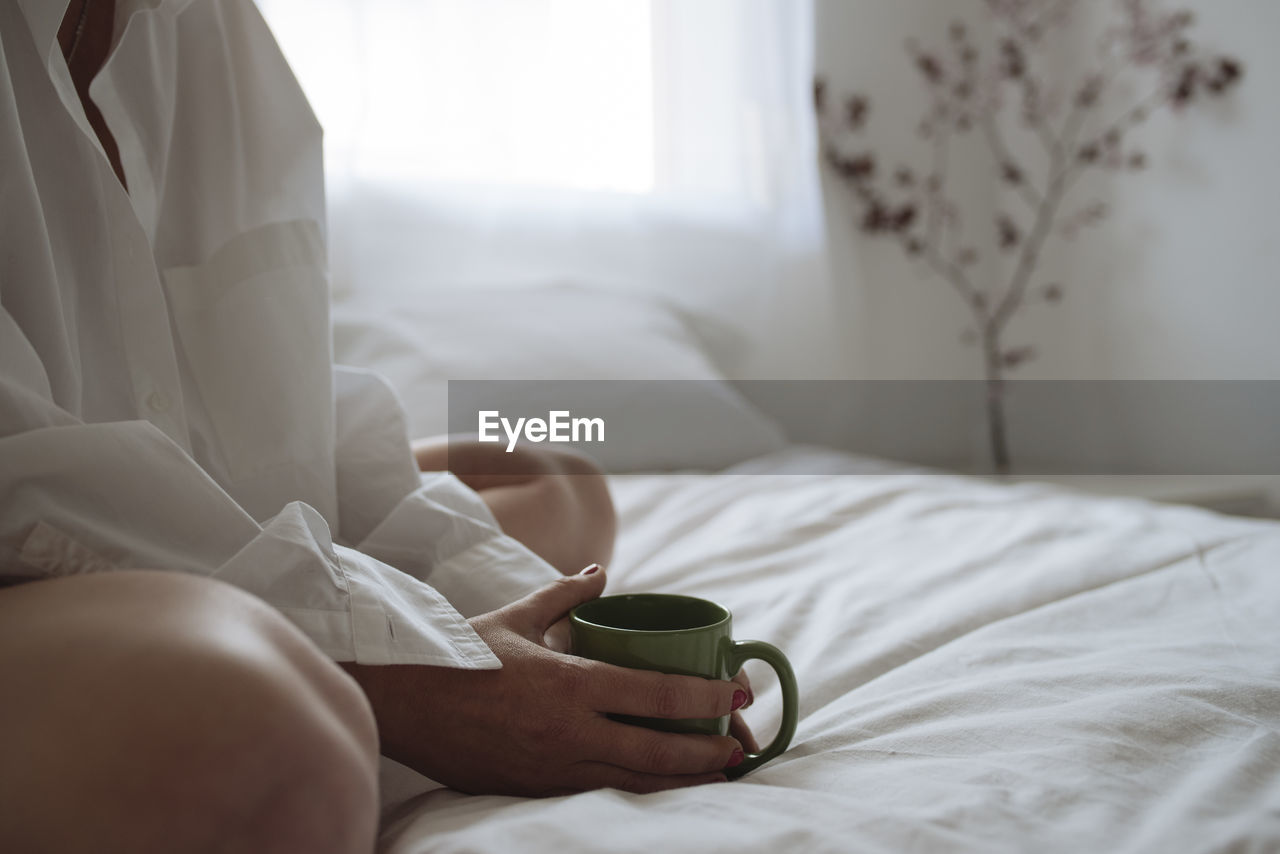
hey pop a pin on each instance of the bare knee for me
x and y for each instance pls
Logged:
(565, 513)
(176, 713)
(557, 503)
(590, 507)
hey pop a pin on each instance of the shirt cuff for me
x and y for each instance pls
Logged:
(444, 534)
(396, 619)
(352, 606)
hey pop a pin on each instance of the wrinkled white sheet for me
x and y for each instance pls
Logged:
(982, 668)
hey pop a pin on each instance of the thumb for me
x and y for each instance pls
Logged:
(547, 605)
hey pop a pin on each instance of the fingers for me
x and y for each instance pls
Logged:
(667, 754)
(741, 679)
(547, 605)
(657, 695)
(557, 638)
(599, 775)
(737, 724)
(738, 729)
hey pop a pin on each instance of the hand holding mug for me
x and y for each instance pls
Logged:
(686, 636)
(542, 724)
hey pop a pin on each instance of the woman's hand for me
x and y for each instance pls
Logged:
(557, 639)
(538, 726)
(737, 724)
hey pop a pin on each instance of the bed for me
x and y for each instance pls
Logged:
(983, 667)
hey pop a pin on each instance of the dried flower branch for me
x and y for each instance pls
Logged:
(1148, 46)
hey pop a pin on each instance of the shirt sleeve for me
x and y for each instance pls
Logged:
(430, 526)
(77, 497)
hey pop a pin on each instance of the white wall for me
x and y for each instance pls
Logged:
(1181, 283)
(1184, 283)
(904, 324)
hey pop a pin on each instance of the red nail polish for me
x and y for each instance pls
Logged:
(739, 700)
(591, 570)
(735, 759)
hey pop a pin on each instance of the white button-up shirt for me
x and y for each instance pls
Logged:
(167, 393)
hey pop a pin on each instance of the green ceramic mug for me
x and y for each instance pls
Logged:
(682, 635)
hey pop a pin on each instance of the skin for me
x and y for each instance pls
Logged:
(179, 714)
(153, 712)
(537, 726)
(558, 505)
(86, 54)
(555, 503)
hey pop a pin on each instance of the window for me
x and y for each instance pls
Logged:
(645, 97)
(662, 146)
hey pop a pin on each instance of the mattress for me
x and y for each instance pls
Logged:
(982, 667)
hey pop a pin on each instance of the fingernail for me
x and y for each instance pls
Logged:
(739, 700)
(735, 759)
(591, 570)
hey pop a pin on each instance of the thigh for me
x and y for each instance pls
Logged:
(147, 711)
(556, 503)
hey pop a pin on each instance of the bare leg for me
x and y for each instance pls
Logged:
(555, 503)
(157, 712)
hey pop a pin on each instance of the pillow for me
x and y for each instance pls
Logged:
(685, 415)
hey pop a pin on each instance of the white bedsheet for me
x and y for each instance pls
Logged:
(982, 668)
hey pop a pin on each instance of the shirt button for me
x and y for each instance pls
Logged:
(158, 401)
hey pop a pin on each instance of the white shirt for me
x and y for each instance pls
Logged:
(167, 393)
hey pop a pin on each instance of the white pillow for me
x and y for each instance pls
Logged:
(693, 419)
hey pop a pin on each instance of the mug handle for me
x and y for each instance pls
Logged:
(743, 651)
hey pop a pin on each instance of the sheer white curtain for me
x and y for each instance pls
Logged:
(654, 145)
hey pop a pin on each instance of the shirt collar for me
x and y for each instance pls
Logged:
(45, 16)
